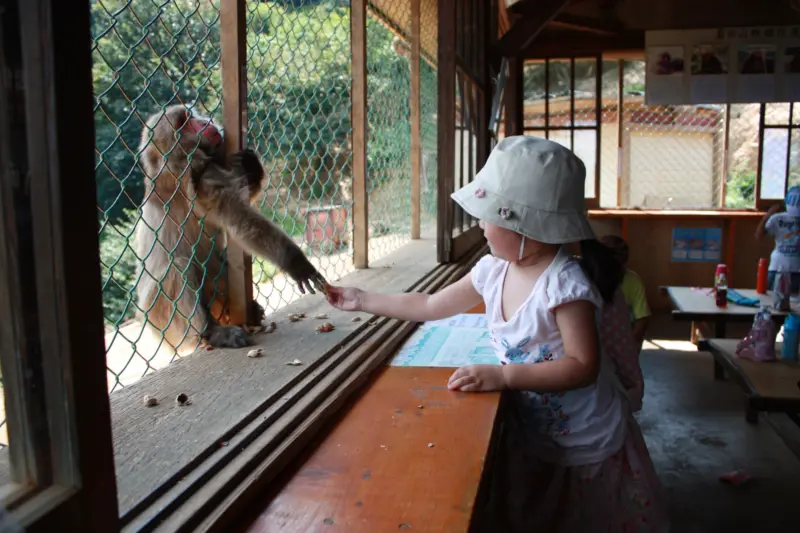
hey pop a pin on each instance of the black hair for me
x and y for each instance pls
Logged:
(601, 267)
(618, 246)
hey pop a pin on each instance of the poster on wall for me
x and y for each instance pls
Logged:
(723, 65)
(696, 245)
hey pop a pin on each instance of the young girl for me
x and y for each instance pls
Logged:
(571, 457)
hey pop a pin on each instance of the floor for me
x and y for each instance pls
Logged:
(695, 430)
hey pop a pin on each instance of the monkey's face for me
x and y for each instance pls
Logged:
(204, 128)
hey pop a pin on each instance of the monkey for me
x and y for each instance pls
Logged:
(196, 198)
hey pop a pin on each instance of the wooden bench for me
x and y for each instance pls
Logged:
(772, 386)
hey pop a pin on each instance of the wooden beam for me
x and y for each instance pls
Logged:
(587, 25)
(233, 27)
(525, 29)
(576, 43)
(446, 133)
(358, 101)
(416, 127)
(514, 120)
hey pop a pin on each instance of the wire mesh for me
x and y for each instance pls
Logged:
(298, 76)
(389, 127)
(146, 55)
(429, 94)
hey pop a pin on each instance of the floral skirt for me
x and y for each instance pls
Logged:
(620, 494)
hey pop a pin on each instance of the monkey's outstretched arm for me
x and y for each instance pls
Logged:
(261, 237)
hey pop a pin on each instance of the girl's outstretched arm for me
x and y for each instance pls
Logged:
(579, 368)
(459, 297)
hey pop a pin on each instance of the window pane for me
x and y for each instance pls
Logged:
(536, 133)
(794, 159)
(585, 92)
(609, 149)
(562, 137)
(742, 155)
(777, 114)
(586, 149)
(560, 86)
(533, 78)
(773, 163)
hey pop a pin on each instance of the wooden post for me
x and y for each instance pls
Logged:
(234, 121)
(446, 128)
(514, 98)
(416, 128)
(358, 100)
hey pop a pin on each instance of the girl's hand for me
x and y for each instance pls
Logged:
(344, 298)
(477, 378)
(774, 209)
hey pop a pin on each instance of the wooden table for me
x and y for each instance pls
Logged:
(697, 305)
(773, 386)
(408, 455)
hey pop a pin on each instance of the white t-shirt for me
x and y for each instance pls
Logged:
(570, 428)
(786, 230)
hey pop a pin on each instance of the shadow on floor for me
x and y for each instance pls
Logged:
(695, 430)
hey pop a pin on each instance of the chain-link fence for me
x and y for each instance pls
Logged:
(149, 55)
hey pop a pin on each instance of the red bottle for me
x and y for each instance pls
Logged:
(721, 286)
(761, 277)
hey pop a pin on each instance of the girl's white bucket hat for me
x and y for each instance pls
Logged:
(531, 186)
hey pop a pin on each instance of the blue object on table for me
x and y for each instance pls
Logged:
(791, 337)
(738, 298)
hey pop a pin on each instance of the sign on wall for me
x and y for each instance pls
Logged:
(723, 65)
(696, 245)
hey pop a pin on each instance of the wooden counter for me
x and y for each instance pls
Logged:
(390, 465)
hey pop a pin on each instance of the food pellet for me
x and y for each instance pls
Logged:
(295, 362)
(150, 401)
(258, 352)
(183, 399)
(321, 316)
(356, 319)
(272, 327)
(325, 328)
(430, 445)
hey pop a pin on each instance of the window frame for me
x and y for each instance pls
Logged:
(763, 126)
(592, 202)
(73, 488)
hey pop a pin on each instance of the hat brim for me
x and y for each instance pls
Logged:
(543, 226)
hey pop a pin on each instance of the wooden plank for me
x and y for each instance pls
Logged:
(514, 120)
(565, 43)
(416, 125)
(776, 380)
(233, 28)
(466, 241)
(358, 479)
(587, 24)
(358, 99)
(672, 214)
(526, 28)
(446, 129)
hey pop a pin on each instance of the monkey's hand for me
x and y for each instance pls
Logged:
(300, 269)
(226, 336)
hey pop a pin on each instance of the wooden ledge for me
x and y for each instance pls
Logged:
(676, 213)
(192, 468)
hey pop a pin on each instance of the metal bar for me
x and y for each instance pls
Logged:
(416, 126)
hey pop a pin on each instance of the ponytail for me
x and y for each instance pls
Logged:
(601, 267)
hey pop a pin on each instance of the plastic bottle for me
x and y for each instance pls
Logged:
(721, 286)
(762, 276)
(791, 337)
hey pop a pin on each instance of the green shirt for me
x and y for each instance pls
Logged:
(633, 290)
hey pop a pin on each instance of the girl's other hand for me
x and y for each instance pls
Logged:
(477, 378)
(774, 209)
(345, 298)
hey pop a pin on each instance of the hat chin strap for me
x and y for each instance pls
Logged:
(521, 248)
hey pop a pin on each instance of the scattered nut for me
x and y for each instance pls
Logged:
(321, 316)
(209, 347)
(295, 317)
(420, 407)
(256, 352)
(254, 329)
(404, 526)
(355, 319)
(183, 399)
(325, 328)
(271, 327)
(150, 401)
(430, 445)
(295, 362)
(223, 443)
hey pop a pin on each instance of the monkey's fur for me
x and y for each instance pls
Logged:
(193, 196)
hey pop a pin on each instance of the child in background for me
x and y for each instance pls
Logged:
(632, 288)
(785, 229)
(572, 458)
